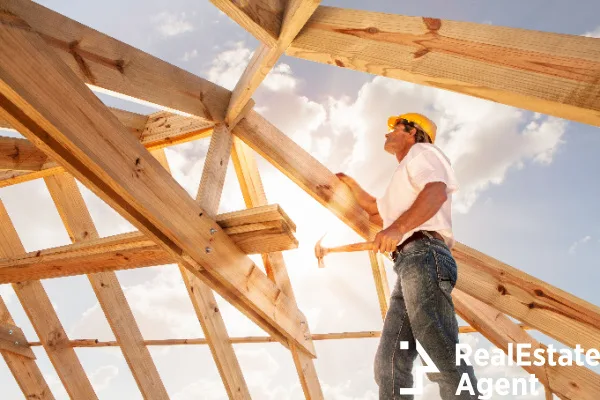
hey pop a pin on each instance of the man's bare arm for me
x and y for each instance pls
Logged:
(364, 199)
(425, 206)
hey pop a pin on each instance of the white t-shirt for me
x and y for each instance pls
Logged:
(423, 164)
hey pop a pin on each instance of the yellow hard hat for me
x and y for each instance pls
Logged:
(420, 121)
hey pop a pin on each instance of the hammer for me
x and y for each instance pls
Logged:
(321, 251)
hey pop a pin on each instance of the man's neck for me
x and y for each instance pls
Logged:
(402, 153)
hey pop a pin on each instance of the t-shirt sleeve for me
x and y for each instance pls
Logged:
(431, 166)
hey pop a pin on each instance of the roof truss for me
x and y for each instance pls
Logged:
(72, 135)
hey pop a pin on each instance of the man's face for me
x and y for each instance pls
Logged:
(399, 138)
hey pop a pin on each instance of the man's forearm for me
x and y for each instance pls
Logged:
(364, 199)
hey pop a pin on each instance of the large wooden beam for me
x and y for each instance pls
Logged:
(154, 131)
(68, 122)
(265, 56)
(46, 324)
(106, 63)
(202, 297)
(80, 226)
(255, 231)
(24, 369)
(254, 196)
(550, 73)
(572, 382)
(522, 296)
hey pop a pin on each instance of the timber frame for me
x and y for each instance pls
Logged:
(119, 155)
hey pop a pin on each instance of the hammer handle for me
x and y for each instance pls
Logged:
(351, 247)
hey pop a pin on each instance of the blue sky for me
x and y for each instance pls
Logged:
(528, 195)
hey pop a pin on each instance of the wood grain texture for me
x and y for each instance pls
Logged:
(20, 154)
(522, 296)
(104, 62)
(254, 196)
(44, 320)
(297, 12)
(122, 172)
(24, 369)
(80, 226)
(261, 18)
(550, 73)
(572, 382)
(263, 229)
(202, 297)
(381, 282)
(13, 340)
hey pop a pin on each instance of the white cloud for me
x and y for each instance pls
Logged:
(595, 33)
(169, 24)
(102, 377)
(578, 243)
(484, 140)
(188, 55)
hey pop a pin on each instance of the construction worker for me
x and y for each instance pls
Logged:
(415, 213)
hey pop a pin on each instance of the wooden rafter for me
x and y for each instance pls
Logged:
(24, 369)
(535, 303)
(202, 297)
(254, 196)
(572, 382)
(20, 154)
(381, 283)
(550, 73)
(122, 172)
(254, 231)
(78, 222)
(291, 20)
(46, 324)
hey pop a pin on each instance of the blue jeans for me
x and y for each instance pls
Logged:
(421, 308)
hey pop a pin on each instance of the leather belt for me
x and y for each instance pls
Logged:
(418, 235)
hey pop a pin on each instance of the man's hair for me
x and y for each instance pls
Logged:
(422, 137)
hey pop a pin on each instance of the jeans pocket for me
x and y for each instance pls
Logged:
(446, 272)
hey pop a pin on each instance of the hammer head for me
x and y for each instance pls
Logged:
(320, 252)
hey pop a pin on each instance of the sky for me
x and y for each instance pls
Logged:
(527, 197)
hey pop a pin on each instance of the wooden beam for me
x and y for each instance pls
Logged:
(122, 172)
(45, 322)
(550, 73)
(381, 283)
(261, 18)
(257, 230)
(13, 340)
(105, 63)
(20, 154)
(572, 382)
(156, 131)
(80, 226)
(535, 303)
(202, 297)
(297, 12)
(24, 369)
(254, 196)
(245, 339)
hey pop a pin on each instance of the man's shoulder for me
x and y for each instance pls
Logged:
(427, 149)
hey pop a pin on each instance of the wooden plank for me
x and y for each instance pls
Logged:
(381, 283)
(550, 73)
(13, 340)
(261, 18)
(134, 250)
(80, 226)
(122, 172)
(572, 382)
(24, 369)
(106, 63)
(202, 297)
(535, 303)
(41, 313)
(20, 154)
(254, 196)
(297, 12)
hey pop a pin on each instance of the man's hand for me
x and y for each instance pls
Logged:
(387, 239)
